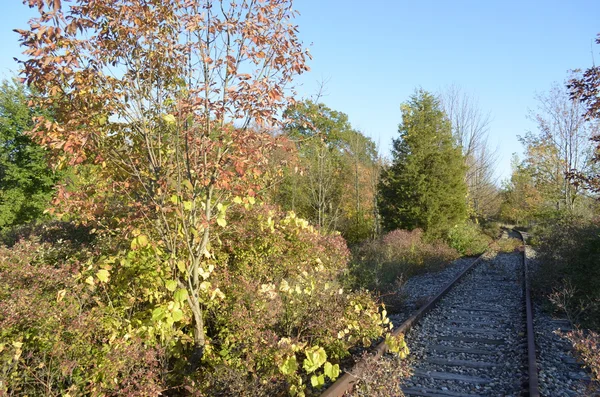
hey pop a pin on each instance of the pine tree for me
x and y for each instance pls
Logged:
(425, 185)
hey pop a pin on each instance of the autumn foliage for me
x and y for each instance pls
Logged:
(160, 97)
(187, 282)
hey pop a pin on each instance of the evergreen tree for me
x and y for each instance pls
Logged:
(425, 185)
(26, 181)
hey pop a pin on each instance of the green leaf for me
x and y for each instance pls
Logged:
(102, 275)
(181, 266)
(158, 313)
(289, 366)
(221, 222)
(177, 315)
(315, 357)
(171, 285)
(180, 295)
(317, 381)
(331, 371)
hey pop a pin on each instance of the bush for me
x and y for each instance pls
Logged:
(491, 229)
(57, 336)
(509, 244)
(286, 321)
(468, 239)
(382, 377)
(400, 254)
(587, 347)
(100, 319)
(569, 254)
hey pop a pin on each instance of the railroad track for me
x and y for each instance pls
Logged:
(476, 339)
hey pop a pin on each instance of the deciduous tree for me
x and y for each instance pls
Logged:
(563, 140)
(586, 89)
(160, 95)
(330, 183)
(470, 127)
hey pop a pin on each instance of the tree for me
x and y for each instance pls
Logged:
(470, 127)
(563, 140)
(586, 89)
(361, 208)
(522, 200)
(425, 185)
(26, 181)
(330, 182)
(160, 96)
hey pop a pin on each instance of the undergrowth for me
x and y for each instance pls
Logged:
(382, 264)
(569, 268)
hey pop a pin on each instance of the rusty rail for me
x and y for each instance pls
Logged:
(346, 382)
(533, 382)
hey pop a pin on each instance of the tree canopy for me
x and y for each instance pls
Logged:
(26, 180)
(425, 185)
(330, 179)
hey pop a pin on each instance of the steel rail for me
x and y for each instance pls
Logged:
(346, 382)
(533, 381)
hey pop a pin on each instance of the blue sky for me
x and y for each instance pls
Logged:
(373, 54)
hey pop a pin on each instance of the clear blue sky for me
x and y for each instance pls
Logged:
(374, 53)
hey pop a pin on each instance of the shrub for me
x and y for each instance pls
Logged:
(378, 264)
(468, 239)
(569, 254)
(101, 319)
(587, 347)
(58, 337)
(382, 377)
(286, 321)
(491, 229)
(508, 244)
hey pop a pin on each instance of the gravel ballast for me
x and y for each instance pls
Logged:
(419, 289)
(473, 341)
(559, 372)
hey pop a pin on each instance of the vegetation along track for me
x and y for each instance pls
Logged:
(476, 339)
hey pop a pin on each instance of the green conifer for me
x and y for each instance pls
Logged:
(425, 185)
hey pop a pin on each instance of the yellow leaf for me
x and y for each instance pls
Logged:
(60, 295)
(171, 285)
(168, 118)
(102, 275)
(205, 285)
(90, 280)
(139, 242)
(221, 222)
